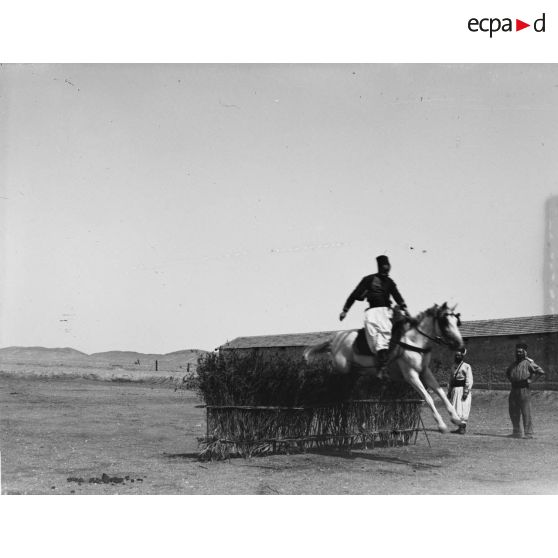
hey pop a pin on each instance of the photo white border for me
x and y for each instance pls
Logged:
(217, 31)
(221, 31)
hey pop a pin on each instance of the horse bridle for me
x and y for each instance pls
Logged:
(439, 339)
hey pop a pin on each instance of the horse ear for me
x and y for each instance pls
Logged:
(454, 307)
(444, 306)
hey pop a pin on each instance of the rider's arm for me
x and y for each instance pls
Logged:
(394, 292)
(358, 294)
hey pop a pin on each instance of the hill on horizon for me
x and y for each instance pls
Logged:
(67, 355)
(42, 354)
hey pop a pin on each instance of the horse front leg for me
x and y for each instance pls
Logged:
(412, 377)
(433, 384)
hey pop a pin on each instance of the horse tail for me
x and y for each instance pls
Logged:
(309, 352)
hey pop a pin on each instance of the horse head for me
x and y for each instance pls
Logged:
(442, 324)
(448, 322)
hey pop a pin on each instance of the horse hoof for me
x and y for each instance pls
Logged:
(443, 429)
(458, 422)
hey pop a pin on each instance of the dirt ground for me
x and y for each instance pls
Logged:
(143, 439)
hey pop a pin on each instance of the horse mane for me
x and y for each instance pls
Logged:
(435, 309)
(428, 312)
(419, 317)
(432, 311)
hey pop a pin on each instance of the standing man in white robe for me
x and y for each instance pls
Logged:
(459, 390)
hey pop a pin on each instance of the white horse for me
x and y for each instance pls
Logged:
(438, 324)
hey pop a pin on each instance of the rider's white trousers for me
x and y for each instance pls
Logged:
(377, 324)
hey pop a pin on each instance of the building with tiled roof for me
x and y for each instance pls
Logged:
(526, 325)
(490, 345)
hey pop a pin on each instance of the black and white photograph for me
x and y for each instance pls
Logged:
(279, 279)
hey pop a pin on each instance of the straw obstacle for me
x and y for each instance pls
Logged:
(259, 405)
(245, 431)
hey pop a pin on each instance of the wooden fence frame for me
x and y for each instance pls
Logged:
(244, 431)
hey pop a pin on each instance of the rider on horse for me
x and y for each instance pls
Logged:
(377, 289)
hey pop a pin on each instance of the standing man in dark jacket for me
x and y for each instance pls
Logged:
(521, 373)
(377, 289)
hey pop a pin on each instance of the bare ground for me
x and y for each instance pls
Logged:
(143, 439)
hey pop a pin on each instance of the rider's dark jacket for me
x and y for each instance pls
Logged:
(377, 290)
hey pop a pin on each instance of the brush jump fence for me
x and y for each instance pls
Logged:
(245, 431)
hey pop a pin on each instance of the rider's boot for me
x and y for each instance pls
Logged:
(381, 363)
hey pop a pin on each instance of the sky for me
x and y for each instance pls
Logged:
(163, 207)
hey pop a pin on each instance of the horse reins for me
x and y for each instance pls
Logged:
(439, 340)
(413, 348)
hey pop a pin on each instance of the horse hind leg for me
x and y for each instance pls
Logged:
(313, 350)
(342, 364)
(309, 355)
